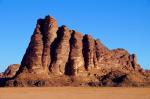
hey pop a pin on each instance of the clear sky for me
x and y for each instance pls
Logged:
(117, 23)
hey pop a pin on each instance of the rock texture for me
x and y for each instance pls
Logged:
(88, 51)
(61, 51)
(1, 75)
(58, 56)
(76, 61)
(8, 74)
(11, 70)
(37, 57)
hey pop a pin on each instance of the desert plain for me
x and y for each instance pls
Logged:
(75, 93)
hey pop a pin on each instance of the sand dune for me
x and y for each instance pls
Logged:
(74, 93)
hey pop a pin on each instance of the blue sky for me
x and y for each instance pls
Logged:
(117, 23)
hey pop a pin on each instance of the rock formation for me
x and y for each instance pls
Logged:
(58, 56)
(37, 57)
(11, 70)
(1, 75)
(61, 51)
(76, 61)
(8, 74)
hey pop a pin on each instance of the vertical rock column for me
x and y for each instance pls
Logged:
(133, 60)
(33, 56)
(49, 31)
(100, 50)
(62, 51)
(88, 51)
(76, 61)
(38, 55)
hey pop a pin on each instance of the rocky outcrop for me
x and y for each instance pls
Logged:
(88, 51)
(11, 71)
(48, 30)
(8, 74)
(58, 56)
(1, 75)
(61, 52)
(100, 52)
(76, 61)
(37, 58)
(32, 60)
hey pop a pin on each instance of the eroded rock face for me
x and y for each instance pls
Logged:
(1, 75)
(58, 53)
(88, 50)
(61, 52)
(11, 71)
(37, 58)
(125, 60)
(100, 52)
(49, 32)
(76, 61)
(32, 60)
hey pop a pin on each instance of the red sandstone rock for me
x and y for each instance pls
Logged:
(49, 35)
(100, 51)
(89, 46)
(1, 75)
(37, 57)
(32, 60)
(62, 51)
(11, 71)
(76, 61)
(60, 57)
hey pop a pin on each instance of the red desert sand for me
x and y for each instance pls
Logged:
(75, 93)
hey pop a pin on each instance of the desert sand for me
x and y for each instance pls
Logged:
(74, 93)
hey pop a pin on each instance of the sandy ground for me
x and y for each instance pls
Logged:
(74, 93)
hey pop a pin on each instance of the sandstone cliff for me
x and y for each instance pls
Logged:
(58, 56)
(8, 74)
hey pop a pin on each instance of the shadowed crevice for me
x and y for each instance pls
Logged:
(68, 67)
(55, 45)
(85, 51)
